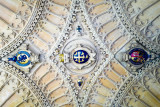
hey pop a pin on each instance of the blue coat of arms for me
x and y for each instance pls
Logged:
(80, 56)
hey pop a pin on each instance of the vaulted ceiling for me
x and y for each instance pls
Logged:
(79, 53)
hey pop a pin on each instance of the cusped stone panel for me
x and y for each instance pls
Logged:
(145, 92)
(17, 20)
(17, 89)
(79, 53)
(13, 93)
(14, 15)
(141, 19)
(103, 18)
(50, 25)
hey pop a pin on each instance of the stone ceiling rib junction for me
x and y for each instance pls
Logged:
(79, 53)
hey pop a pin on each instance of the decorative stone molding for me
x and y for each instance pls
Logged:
(38, 9)
(152, 46)
(27, 81)
(103, 58)
(133, 79)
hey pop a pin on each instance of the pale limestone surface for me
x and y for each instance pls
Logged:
(101, 85)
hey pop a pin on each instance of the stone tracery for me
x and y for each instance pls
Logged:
(110, 78)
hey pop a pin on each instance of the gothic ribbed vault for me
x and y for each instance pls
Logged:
(79, 53)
